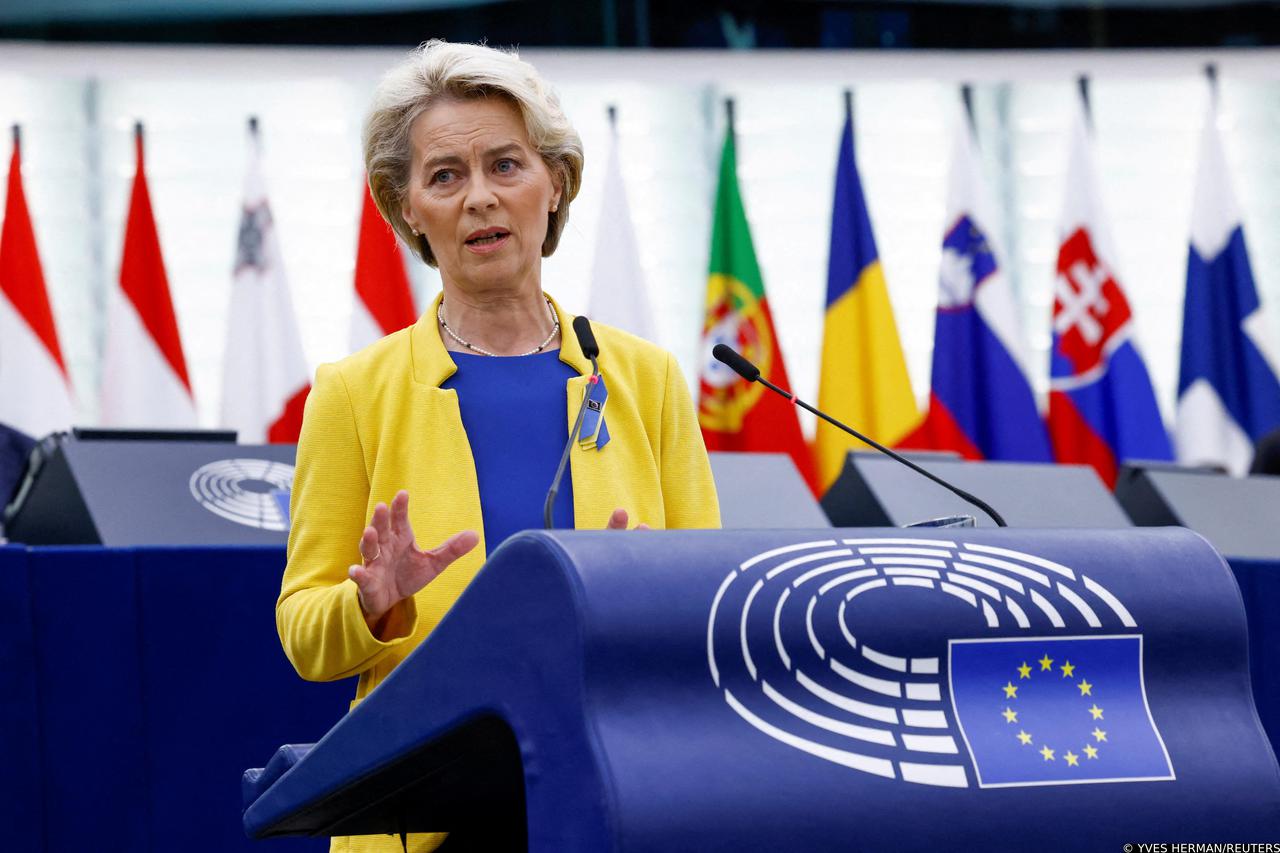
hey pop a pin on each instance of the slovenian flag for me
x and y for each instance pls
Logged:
(1102, 408)
(981, 404)
(1228, 394)
(864, 376)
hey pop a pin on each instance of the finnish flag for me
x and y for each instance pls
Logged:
(1228, 393)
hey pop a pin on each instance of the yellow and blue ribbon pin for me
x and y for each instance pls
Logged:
(594, 434)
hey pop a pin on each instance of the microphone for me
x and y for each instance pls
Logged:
(748, 371)
(586, 338)
(587, 342)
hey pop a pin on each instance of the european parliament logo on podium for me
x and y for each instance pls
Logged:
(798, 642)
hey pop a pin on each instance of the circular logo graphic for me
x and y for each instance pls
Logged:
(1016, 670)
(241, 490)
(734, 318)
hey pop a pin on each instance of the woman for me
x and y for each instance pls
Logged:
(449, 432)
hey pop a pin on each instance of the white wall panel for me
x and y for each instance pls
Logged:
(79, 105)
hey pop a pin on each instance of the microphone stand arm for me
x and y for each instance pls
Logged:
(976, 501)
(549, 505)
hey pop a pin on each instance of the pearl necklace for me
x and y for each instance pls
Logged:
(555, 328)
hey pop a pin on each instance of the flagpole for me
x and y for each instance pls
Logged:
(253, 126)
(966, 95)
(1211, 72)
(728, 111)
(613, 118)
(1082, 83)
(17, 137)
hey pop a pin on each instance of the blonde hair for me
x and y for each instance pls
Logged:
(438, 70)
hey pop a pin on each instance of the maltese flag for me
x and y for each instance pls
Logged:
(384, 300)
(264, 373)
(618, 294)
(981, 404)
(1102, 408)
(144, 373)
(1228, 394)
(35, 390)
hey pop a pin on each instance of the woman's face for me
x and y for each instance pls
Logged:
(480, 193)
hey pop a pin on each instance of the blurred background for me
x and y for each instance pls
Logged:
(77, 74)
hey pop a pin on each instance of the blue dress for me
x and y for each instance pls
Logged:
(514, 411)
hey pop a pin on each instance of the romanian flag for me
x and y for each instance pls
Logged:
(734, 414)
(864, 376)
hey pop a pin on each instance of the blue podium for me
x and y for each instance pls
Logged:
(811, 690)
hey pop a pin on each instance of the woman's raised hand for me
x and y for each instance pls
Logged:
(394, 566)
(619, 520)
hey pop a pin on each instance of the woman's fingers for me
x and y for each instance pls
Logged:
(400, 515)
(381, 522)
(370, 547)
(452, 548)
(619, 519)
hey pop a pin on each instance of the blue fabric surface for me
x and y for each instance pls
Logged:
(513, 410)
(140, 683)
(1259, 582)
(21, 771)
(85, 606)
(219, 693)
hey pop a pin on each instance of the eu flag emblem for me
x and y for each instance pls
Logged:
(1056, 711)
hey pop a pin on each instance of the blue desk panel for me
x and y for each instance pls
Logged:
(211, 653)
(20, 801)
(145, 681)
(85, 604)
(1259, 582)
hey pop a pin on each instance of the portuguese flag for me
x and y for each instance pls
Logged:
(736, 415)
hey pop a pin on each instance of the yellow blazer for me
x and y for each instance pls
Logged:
(378, 421)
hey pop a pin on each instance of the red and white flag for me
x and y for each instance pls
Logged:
(144, 374)
(384, 300)
(265, 379)
(35, 390)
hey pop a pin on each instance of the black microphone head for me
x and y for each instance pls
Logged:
(586, 338)
(728, 355)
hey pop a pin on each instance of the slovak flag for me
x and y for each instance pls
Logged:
(384, 300)
(1102, 408)
(35, 390)
(1228, 394)
(265, 379)
(981, 404)
(144, 373)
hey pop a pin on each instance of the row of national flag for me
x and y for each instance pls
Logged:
(145, 380)
(1102, 409)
